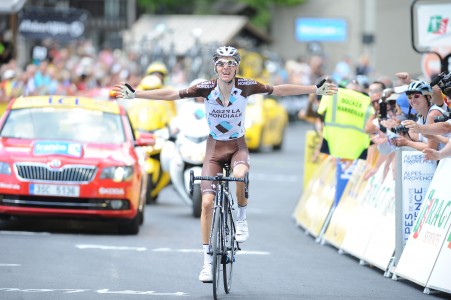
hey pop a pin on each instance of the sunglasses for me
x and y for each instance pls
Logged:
(414, 96)
(226, 63)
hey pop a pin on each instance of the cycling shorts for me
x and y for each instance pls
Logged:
(234, 152)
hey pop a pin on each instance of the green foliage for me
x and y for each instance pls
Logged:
(261, 19)
(167, 6)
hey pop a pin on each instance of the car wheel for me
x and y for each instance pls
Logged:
(197, 201)
(278, 147)
(5, 217)
(149, 198)
(132, 226)
(141, 215)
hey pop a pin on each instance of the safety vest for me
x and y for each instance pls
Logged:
(344, 125)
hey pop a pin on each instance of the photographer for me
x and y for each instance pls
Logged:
(388, 117)
(419, 94)
(441, 130)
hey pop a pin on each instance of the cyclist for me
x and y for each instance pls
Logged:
(225, 106)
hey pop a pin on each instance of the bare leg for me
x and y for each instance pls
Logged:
(205, 217)
(240, 171)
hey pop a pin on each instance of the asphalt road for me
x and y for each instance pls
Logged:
(54, 259)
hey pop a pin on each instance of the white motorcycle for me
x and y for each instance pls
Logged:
(184, 154)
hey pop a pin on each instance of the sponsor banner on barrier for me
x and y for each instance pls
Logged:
(345, 209)
(317, 200)
(416, 175)
(381, 245)
(365, 217)
(344, 172)
(312, 140)
(430, 230)
(307, 192)
(441, 274)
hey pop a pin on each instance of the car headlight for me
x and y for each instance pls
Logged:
(5, 168)
(117, 174)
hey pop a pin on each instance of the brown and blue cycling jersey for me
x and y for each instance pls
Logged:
(226, 123)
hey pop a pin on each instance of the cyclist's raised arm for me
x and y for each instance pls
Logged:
(293, 89)
(124, 90)
(322, 88)
(160, 94)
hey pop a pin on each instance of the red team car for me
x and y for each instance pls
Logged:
(71, 157)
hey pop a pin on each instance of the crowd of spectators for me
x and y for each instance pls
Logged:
(78, 67)
(68, 70)
(406, 111)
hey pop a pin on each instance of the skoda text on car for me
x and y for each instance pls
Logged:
(71, 157)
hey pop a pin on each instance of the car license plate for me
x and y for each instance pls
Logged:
(54, 190)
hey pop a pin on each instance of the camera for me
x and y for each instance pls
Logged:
(443, 80)
(382, 114)
(400, 129)
(445, 117)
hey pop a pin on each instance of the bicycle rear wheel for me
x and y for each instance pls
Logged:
(216, 244)
(229, 257)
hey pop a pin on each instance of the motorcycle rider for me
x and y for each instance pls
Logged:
(225, 104)
(159, 69)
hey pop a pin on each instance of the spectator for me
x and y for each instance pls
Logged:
(6, 48)
(363, 67)
(419, 94)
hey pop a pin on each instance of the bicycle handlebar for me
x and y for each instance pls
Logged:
(220, 177)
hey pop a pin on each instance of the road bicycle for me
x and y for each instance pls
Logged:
(222, 244)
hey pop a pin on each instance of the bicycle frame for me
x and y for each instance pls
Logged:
(222, 243)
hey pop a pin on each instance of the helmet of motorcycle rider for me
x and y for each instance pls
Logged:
(157, 67)
(150, 82)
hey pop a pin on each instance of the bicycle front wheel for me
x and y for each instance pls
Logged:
(230, 243)
(216, 244)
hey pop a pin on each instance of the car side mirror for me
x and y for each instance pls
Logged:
(145, 139)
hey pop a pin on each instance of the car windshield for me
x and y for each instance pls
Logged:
(81, 125)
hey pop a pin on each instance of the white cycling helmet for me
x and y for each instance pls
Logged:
(421, 87)
(225, 51)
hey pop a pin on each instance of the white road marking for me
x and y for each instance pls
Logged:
(245, 252)
(101, 291)
(104, 247)
(141, 249)
(23, 233)
(9, 265)
(274, 177)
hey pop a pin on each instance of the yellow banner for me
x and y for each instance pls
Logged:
(312, 142)
(66, 101)
(318, 198)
